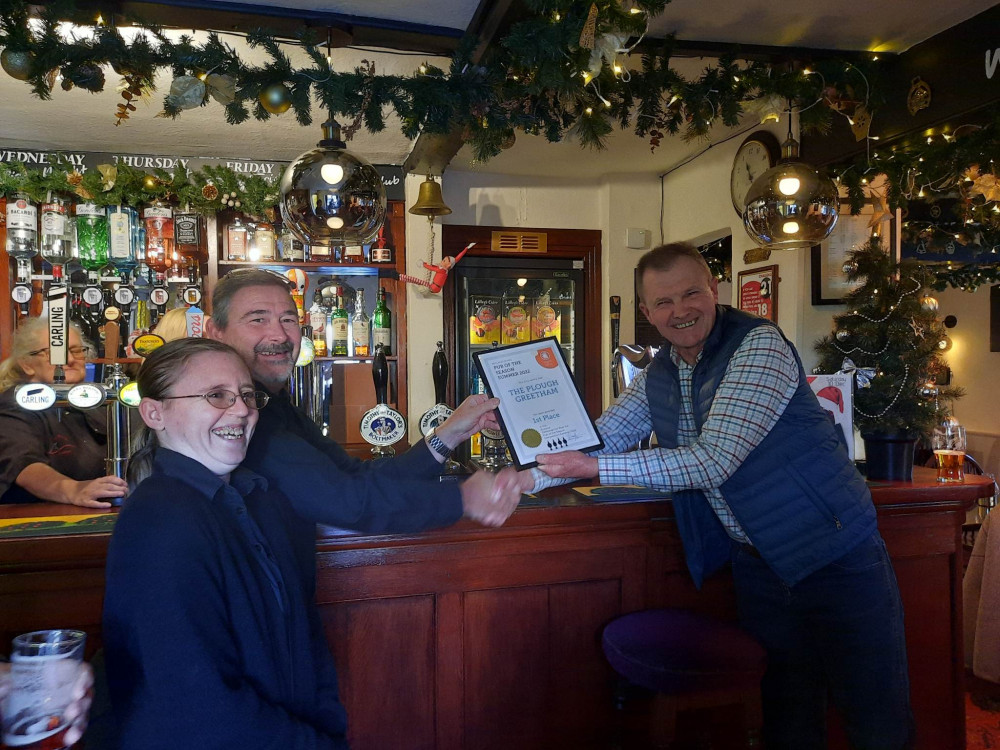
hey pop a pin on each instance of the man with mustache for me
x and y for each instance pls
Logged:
(253, 312)
(761, 480)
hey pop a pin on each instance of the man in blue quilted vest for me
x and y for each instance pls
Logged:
(761, 480)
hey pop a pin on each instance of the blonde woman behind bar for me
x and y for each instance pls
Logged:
(56, 455)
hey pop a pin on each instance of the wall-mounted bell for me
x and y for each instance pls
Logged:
(430, 203)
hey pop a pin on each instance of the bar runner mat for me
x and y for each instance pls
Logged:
(57, 525)
(621, 493)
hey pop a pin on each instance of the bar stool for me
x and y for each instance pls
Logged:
(691, 662)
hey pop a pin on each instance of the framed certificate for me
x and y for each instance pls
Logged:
(540, 407)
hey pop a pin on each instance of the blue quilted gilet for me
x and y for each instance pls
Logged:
(797, 495)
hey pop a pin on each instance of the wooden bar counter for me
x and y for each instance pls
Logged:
(490, 638)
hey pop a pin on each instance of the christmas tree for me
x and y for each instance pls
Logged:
(891, 341)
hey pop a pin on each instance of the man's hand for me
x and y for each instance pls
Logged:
(91, 493)
(472, 415)
(568, 465)
(78, 708)
(491, 498)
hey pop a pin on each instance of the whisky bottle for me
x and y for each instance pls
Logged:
(236, 239)
(189, 237)
(158, 219)
(339, 323)
(360, 326)
(261, 241)
(292, 250)
(353, 254)
(382, 324)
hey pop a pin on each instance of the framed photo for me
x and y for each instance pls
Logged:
(759, 292)
(829, 284)
(540, 406)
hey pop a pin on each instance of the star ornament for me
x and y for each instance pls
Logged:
(918, 331)
(880, 210)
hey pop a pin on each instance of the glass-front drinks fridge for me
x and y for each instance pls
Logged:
(500, 301)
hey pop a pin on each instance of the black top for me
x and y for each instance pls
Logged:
(326, 485)
(211, 635)
(71, 441)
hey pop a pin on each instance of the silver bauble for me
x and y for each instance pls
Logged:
(928, 390)
(842, 335)
(791, 204)
(849, 267)
(16, 64)
(928, 303)
(330, 196)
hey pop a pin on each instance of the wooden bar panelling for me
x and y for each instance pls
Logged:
(473, 639)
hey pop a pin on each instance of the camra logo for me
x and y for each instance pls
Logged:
(35, 397)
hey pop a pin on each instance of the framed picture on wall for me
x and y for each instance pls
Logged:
(829, 282)
(758, 291)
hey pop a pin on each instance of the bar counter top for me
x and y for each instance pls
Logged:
(486, 638)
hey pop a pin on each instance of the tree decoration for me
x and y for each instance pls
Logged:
(276, 99)
(16, 64)
(187, 92)
(891, 347)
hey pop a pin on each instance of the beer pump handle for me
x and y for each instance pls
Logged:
(616, 314)
(439, 371)
(380, 375)
(112, 338)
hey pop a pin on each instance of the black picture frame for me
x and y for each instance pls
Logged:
(829, 256)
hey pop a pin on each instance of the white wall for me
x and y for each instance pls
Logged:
(696, 204)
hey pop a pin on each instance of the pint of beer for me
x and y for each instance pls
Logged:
(949, 451)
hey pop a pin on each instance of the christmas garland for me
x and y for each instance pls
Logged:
(206, 191)
(560, 71)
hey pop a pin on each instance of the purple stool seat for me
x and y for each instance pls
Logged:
(675, 651)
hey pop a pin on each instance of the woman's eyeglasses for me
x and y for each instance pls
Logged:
(76, 351)
(223, 399)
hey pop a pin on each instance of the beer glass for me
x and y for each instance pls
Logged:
(948, 442)
(45, 666)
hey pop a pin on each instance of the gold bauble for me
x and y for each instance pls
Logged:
(16, 64)
(276, 98)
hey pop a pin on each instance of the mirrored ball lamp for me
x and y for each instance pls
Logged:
(792, 204)
(330, 196)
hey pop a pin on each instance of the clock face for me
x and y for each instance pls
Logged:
(754, 158)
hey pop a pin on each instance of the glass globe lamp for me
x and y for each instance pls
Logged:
(330, 196)
(791, 204)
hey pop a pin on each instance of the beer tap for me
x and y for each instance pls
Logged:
(616, 314)
(438, 413)
(381, 426)
(494, 452)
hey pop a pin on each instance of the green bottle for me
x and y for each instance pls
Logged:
(340, 324)
(382, 324)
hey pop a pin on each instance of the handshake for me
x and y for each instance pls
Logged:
(491, 498)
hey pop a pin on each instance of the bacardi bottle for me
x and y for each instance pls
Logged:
(22, 232)
(360, 326)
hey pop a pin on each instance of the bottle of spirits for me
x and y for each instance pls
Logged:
(58, 232)
(237, 239)
(123, 230)
(189, 237)
(382, 324)
(353, 254)
(340, 324)
(158, 219)
(22, 232)
(360, 326)
(317, 321)
(321, 253)
(380, 251)
(92, 237)
(264, 242)
(292, 250)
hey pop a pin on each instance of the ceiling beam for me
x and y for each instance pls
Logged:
(432, 153)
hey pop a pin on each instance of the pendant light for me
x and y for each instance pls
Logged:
(330, 196)
(792, 204)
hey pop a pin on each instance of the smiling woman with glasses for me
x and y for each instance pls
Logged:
(209, 603)
(56, 455)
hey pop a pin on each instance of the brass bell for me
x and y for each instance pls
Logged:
(429, 200)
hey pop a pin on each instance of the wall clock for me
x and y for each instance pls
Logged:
(757, 154)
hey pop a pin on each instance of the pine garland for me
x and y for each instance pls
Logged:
(887, 331)
(112, 185)
(539, 78)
